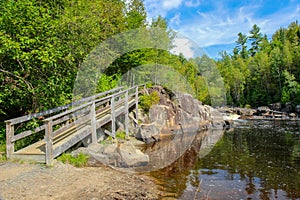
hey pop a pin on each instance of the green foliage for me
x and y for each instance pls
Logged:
(79, 161)
(146, 101)
(247, 106)
(108, 140)
(107, 83)
(44, 42)
(121, 135)
(267, 71)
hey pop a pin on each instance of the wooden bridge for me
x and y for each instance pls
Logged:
(65, 126)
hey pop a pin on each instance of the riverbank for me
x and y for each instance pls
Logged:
(34, 181)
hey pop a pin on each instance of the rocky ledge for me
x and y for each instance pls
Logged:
(264, 112)
(176, 111)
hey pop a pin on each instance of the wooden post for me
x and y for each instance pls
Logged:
(137, 103)
(49, 142)
(10, 146)
(93, 123)
(113, 118)
(126, 114)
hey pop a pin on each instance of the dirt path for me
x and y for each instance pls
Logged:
(32, 181)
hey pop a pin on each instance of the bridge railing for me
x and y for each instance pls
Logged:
(11, 134)
(85, 114)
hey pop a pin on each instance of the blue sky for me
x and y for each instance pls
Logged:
(214, 25)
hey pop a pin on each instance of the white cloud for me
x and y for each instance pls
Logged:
(170, 4)
(184, 46)
(160, 7)
(192, 3)
(175, 20)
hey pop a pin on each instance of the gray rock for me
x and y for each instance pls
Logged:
(115, 155)
(148, 133)
(297, 109)
(131, 157)
(159, 114)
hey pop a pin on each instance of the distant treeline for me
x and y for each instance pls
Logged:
(261, 71)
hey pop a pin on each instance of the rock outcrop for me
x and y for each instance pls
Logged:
(177, 112)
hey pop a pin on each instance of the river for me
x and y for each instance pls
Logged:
(256, 159)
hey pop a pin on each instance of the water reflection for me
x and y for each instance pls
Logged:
(255, 160)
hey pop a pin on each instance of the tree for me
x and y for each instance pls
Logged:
(241, 45)
(255, 38)
(136, 14)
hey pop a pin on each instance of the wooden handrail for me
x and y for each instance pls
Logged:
(67, 112)
(53, 110)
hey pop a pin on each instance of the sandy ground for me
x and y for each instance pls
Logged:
(33, 181)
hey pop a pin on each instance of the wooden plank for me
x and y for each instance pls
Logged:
(27, 133)
(134, 120)
(49, 142)
(104, 109)
(71, 141)
(108, 133)
(35, 115)
(67, 112)
(61, 120)
(137, 103)
(126, 114)
(113, 117)
(94, 97)
(93, 123)
(71, 115)
(10, 146)
(100, 103)
(29, 157)
(68, 126)
(35, 148)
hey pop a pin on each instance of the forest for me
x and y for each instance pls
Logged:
(261, 71)
(44, 42)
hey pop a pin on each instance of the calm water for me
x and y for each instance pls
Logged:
(254, 160)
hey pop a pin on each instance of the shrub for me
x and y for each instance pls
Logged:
(146, 101)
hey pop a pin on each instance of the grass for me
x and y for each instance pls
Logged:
(78, 161)
(2, 152)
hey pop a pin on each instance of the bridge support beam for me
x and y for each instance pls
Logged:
(10, 147)
(137, 103)
(113, 117)
(49, 142)
(126, 114)
(93, 123)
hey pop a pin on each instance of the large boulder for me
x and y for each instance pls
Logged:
(122, 155)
